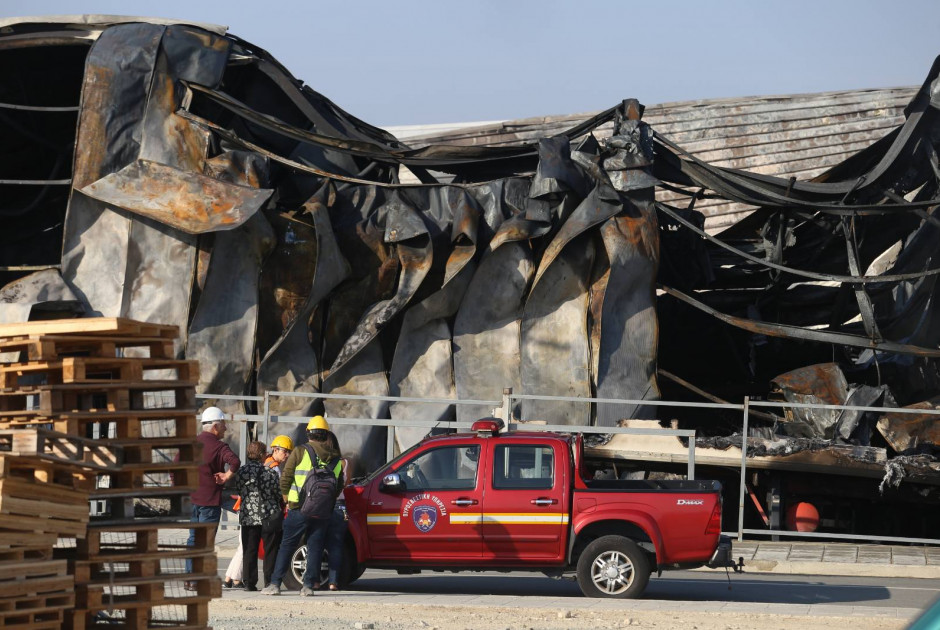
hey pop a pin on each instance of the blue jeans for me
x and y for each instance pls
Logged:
(320, 533)
(201, 514)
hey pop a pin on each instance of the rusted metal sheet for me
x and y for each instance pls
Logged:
(188, 202)
(910, 432)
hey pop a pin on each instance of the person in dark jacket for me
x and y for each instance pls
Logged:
(260, 492)
(216, 456)
(299, 464)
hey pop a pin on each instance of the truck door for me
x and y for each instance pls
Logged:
(437, 516)
(525, 508)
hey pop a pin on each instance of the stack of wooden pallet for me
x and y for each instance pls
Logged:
(114, 385)
(39, 502)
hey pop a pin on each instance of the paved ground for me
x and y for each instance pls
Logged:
(794, 557)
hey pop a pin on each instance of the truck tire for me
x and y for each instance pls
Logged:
(614, 567)
(349, 572)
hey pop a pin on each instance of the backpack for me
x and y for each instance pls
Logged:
(318, 494)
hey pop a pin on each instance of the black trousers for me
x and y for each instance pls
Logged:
(271, 533)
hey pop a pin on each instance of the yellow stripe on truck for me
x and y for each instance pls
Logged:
(510, 519)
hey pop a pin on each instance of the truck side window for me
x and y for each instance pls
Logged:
(522, 467)
(444, 468)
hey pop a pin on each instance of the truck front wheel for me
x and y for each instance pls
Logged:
(613, 566)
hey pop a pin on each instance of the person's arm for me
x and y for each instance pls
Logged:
(287, 476)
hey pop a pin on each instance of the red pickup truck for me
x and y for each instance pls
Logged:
(488, 500)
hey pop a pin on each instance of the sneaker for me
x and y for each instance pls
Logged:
(334, 587)
(306, 592)
(227, 584)
(271, 589)
(251, 588)
(238, 585)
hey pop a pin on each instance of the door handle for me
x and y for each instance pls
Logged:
(464, 502)
(543, 501)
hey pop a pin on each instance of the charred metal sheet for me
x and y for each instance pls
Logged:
(364, 374)
(823, 384)
(224, 328)
(292, 364)
(422, 366)
(556, 308)
(910, 432)
(187, 201)
(95, 252)
(487, 328)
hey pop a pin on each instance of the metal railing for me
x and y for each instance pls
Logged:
(502, 408)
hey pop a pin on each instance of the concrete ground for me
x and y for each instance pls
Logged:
(787, 557)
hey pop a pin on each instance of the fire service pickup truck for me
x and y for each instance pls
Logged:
(487, 500)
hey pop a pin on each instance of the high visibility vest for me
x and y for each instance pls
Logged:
(300, 475)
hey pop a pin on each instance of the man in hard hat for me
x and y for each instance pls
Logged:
(299, 464)
(216, 455)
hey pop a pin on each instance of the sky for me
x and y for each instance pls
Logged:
(438, 61)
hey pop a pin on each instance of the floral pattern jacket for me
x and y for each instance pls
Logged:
(260, 490)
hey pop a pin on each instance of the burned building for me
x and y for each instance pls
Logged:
(174, 173)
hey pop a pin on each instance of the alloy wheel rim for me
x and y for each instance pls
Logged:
(612, 572)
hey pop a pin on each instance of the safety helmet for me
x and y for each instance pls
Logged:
(212, 414)
(282, 441)
(317, 422)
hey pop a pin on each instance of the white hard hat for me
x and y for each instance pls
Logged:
(212, 414)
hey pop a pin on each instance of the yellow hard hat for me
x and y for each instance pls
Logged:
(282, 441)
(317, 422)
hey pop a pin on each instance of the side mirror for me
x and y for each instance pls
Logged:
(392, 483)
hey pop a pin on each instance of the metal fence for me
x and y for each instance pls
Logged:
(502, 409)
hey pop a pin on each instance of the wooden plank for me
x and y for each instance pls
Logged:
(196, 617)
(98, 370)
(51, 347)
(113, 326)
(132, 427)
(149, 592)
(60, 447)
(138, 569)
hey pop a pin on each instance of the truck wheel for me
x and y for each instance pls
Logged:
(349, 572)
(613, 566)
(294, 578)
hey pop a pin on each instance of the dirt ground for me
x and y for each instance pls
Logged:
(287, 613)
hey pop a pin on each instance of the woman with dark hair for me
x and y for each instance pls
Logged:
(259, 488)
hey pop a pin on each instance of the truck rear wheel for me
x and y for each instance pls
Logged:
(613, 566)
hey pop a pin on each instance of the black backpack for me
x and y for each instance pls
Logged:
(318, 494)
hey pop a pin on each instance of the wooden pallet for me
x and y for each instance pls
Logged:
(129, 426)
(14, 545)
(49, 347)
(40, 507)
(107, 326)
(139, 539)
(95, 370)
(33, 579)
(33, 624)
(158, 590)
(99, 571)
(50, 400)
(52, 446)
(195, 616)
(56, 475)
(32, 610)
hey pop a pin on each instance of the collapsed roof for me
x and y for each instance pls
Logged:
(175, 173)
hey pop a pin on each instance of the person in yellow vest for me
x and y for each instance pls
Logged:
(320, 452)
